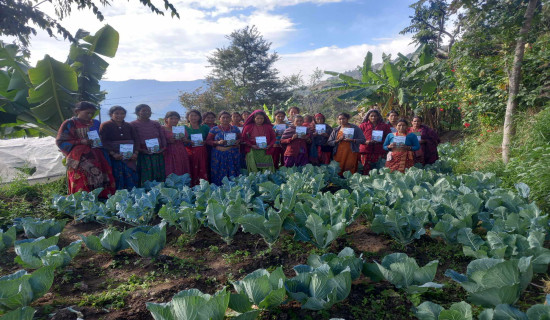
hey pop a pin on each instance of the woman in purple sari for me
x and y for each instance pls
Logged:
(428, 139)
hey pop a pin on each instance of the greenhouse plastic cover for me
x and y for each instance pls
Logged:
(39, 153)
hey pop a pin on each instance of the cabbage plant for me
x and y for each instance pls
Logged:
(24, 313)
(192, 304)
(19, 289)
(58, 258)
(28, 250)
(490, 282)
(432, 311)
(403, 272)
(319, 288)
(36, 228)
(111, 240)
(148, 241)
(337, 263)
(259, 288)
(187, 219)
(7, 238)
(269, 226)
(222, 220)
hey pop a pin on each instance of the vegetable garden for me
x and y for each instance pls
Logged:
(297, 243)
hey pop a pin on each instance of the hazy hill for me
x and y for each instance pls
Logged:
(162, 96)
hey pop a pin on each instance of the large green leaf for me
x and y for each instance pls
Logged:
(54, 90)
(367, 66)
(392, 73)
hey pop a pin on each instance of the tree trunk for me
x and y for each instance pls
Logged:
(514, 81)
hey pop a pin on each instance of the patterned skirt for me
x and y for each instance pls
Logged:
(224, 164)
(258, 160)
(150, 167)
(400, 160)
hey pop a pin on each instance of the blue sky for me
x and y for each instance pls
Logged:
(307, 34)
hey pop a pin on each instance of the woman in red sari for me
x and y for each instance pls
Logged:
(257, 157)
(428, 142)
(176, 159)
(296, 147)
(198, 154)
(87, 165)
(402, 147)
(372, 151)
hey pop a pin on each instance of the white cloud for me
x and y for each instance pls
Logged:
(340, 59)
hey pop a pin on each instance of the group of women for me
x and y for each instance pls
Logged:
(120, 155)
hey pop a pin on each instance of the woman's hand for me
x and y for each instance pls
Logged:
(85, 141)
(295, 136)
(221, 142)
(134, 157)
(392, 145)
(117, 156)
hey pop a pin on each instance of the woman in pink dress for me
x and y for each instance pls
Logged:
(176, 158)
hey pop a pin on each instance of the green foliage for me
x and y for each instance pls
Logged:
(432, 311)
(490, 282)
(337, 263)
(7, 238)
(403, 272)
(111, 240)
(35, 228)
(269, 226)
(259, 288)
(24, 313)
(148, 241)
(319, 288)
(28, 250)
(192, 304)
(19, 289)
(58, 258)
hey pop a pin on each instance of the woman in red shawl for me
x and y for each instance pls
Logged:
(87, 167)
(372, 151)
(258, 127)
(296, 147)
(428, 139)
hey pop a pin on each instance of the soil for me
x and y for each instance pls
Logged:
(102, 286)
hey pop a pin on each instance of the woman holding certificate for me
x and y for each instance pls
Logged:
(87, 167)
(225, 141)
(375, 131)
(346, 139)
(320, 139)
(119, 140)
(401, 146)
(198, 154)
(296, 139)
(279, 126)
(428, 138)
(259, 138)
(152, 142)
(176, 159)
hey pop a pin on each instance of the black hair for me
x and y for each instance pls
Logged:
(419, 118)
(280, 112)
(209, 113)
(84, 105)
(193, 111)
(116, 108)
(393, 111)
(346, 115)
(309, 117)
(366, 119)
(171, 114)
(139, 107)
(294, 107)
(403, 120)
(223, 113)
(298, 116)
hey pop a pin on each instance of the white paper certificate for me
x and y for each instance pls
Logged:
(321, 128)
(152, 145)
(377, 135)
(301, 131)
(399, 140)
(418, 136)
(94, 137)
(179, 132)
(230, 137)
(196, 139)
(348, 133)
(126, 150)
(261, 142)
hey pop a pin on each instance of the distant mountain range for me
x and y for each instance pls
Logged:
(162, 96)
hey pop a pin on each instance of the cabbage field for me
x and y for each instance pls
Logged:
(299, 243)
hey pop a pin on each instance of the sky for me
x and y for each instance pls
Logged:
(332, 35)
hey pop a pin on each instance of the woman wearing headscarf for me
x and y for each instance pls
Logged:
(296, 147)
(346, 149)
(372, 151)
(319, 144)
(87, 165)
(258, 127)
(427, 154)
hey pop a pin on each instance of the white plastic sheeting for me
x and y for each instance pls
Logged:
(39, 153)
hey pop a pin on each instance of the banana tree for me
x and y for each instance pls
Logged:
(35, 101)
(397, 84)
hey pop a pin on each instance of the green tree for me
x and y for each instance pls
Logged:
(243, 74)
(16, 16)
